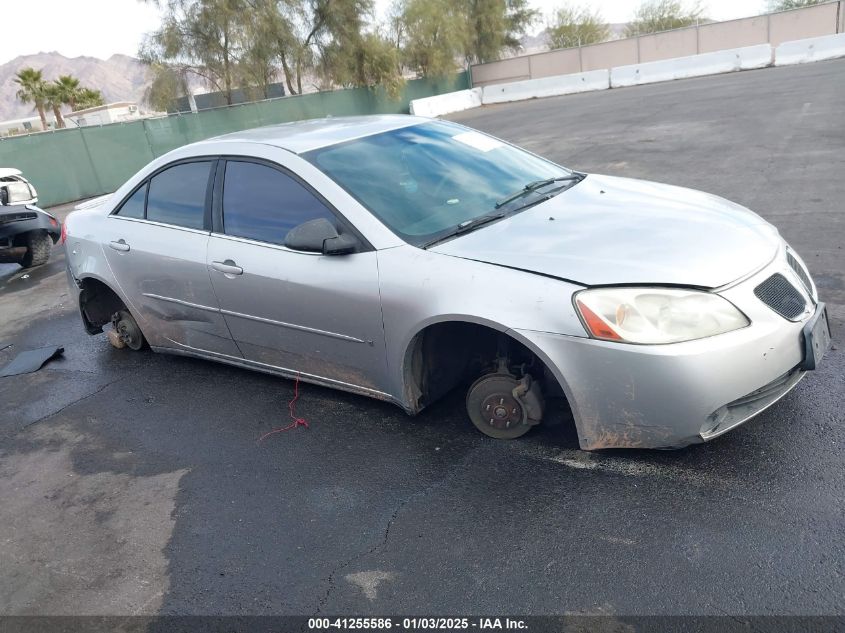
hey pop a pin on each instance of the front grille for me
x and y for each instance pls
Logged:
(16, 217)
(801, 272)
(781, 296)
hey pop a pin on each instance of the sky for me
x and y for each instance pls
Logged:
(101, 28)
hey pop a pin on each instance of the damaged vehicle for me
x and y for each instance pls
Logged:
(401, 258)
(15, 189)
(27, 233)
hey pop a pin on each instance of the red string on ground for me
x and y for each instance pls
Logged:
(297, 421)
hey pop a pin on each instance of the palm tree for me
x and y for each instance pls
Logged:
(69, 89)
(32, 90)
(89, 98)
(53, 101)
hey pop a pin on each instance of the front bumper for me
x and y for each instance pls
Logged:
(669, 396)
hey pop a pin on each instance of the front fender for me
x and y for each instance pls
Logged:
(420, 288)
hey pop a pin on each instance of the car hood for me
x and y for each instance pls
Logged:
(609, 230)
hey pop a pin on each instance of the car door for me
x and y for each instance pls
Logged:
(156, 246)
(303, 312)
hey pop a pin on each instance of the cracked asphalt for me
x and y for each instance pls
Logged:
(133, 483)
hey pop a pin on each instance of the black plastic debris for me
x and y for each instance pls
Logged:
(30, 361)
(4, 346)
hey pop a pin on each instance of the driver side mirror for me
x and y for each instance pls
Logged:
(320, 236)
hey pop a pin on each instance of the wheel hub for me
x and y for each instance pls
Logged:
(129, 332)
(495, 406)
(501, 410)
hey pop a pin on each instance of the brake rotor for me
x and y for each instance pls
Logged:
(129, 332)
(493, 408)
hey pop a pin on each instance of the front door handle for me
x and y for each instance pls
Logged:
(227, 267)
(119, 245)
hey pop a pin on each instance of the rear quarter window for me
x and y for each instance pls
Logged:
(133, 207)
(177, 195)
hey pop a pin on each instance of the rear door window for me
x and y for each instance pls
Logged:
(134, 205)
(177, 195)
(262, 203)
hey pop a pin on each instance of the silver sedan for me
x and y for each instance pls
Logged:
(400, 258)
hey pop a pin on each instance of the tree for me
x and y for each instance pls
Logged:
(329, 25)
(262, 25)
(89, 98)
(653, 16)
(168, 84)
(68, 90)
(53, 101)
(32, 90)
(576, 26)
(284, 25)
(242, 43)
(436, 35)
(332, 38)
(786, 5)
(495, 25)
(371, 61)
(202, 37)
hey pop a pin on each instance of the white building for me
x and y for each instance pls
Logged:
(23, 126)
(101, 115)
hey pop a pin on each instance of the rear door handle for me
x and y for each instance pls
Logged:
(119, 245)
(227, 267)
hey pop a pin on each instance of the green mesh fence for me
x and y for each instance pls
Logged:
(76, 163)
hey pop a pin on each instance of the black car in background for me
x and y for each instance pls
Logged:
(27, 233)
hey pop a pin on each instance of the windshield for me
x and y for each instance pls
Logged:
(426, 180)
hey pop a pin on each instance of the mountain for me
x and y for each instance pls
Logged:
(119, 78)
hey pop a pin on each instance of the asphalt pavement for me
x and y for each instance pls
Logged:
(134, 483)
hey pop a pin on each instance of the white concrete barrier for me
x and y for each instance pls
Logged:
(751, 57)
(726, 61)
(546, 87)
(446, 103)
(812, 49)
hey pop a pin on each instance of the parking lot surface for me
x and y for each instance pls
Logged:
(133, 483)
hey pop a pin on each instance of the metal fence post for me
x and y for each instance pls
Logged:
(100, 189)
(147, 136)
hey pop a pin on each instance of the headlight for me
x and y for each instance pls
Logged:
(656, 315)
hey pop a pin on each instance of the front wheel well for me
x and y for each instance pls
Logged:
(445, 355)
(98, 303)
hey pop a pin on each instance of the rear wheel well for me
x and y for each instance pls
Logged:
(98, 303)
(446, 355)
(22, 239)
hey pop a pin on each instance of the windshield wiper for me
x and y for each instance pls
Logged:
(539, 184)
(464, 227)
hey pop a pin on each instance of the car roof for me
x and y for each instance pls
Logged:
(5, 172)
(303, 136)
